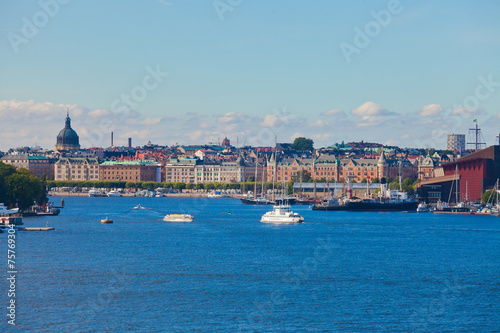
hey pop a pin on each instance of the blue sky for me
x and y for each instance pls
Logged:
(257, 70)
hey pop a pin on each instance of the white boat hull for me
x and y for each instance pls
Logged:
(284, 220)
(178, 218)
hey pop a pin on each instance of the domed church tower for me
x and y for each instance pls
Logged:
(67, 137)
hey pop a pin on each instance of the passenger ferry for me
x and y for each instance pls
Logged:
(282, 214)
(178, 218)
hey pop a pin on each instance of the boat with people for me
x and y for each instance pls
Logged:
(178, 218)
(42, 210)
(281, 214)
(139, 207)
(10, 216)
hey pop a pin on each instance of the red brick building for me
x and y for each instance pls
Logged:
(474, 174)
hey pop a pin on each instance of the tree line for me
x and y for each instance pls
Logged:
(249, 185)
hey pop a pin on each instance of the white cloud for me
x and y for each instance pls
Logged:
(371, 114)
(430, 110)
(465, 111)
(98, 113)
(151, 121)
(333, 112)
(232, 117)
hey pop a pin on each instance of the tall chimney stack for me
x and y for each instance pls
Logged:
(130, 142)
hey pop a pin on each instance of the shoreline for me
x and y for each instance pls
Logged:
(131, 195)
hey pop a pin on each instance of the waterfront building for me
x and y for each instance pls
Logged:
(76, 168)
(193, 171)
(130, 171)
(426, 168)
(334, 169)
(67, 139)
(38, 165)
(181, 169)
(456, 142)
(474, 174)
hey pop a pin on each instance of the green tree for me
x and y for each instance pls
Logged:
(489, 196)
(408, 185)
(5, 171)
(24, 189)
(394, 185)
(149, 185)
(302, 143)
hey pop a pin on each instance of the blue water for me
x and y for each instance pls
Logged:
(337, 272)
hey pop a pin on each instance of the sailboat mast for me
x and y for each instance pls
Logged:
(263, 182)
(255, 180)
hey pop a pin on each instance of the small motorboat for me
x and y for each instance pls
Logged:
(139, 207)
(178, 218)
(227, 213)
(106, 220)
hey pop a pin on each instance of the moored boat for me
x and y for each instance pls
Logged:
(10, 216)
(423, 208)
(114, 193)
(95, 193)
(388, 201)
(368, 205)
(460, 208)
(217, 194)
(256, 201)
(331, 204)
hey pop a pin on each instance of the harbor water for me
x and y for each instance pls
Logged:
(336, 272)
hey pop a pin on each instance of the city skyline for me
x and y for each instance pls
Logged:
(402, 73)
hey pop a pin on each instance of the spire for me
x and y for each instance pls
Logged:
(381, 160)
(68, 119)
